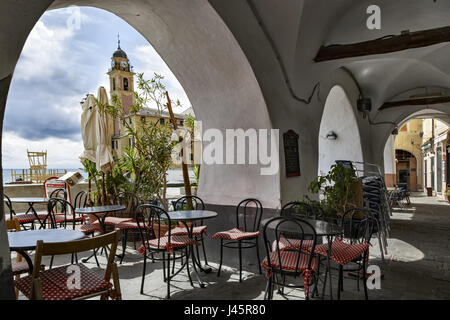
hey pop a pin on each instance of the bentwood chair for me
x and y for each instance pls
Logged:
(60, 211)
(152, 220)
(125, 224)
(245, 235)
(63, 216)
(293, 262)
(296, 209)
(352, 249)
(18, 266)
(198, 232)
(57, 283)
(24, 219)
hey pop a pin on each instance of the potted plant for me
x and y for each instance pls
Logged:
(447, 194)
(341, 190)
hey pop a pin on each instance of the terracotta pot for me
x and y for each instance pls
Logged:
(162, 228)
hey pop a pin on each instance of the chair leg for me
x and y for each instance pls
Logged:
(257, 256)
(240, 261)
(143, 273)
(187, 266)
(366, 295)
(168, 276)
(221, 257)
(164, 267)
(268, 287)
(51, 262)
(124, 244)
(95, 253)
(204, 251)
(339, 283)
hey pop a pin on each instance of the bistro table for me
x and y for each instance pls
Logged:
(23, 241)
(191, 216)
(322, 228)
(31, 201)
(100, 213)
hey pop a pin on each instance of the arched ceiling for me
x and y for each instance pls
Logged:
(381, 77)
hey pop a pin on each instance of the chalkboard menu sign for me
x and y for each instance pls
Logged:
(291, 154)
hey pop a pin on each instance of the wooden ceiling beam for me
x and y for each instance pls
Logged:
(405, 41)
(415, 102)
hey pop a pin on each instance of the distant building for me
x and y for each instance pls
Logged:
(408, 156)
(121, 77)
(435, 150)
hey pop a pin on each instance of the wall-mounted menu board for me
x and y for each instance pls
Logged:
(291, 154)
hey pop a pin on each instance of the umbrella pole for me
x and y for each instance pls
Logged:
(103, 189)
(187, 184)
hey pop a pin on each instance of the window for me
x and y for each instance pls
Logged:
(113, 145)
(143, 119)
(114, 83)
(125, 84)
(161, 121)
(181, 123)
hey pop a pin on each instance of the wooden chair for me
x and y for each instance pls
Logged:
(58, 284)
(19, 266)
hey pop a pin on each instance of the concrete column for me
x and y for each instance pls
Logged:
(389, 162)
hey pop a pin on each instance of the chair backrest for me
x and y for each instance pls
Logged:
(183, 203)
(248, 215)
(53, 183)
(58, 207)
(358, 225)
(151, 220)
(12, 225)
(80, 200)
(8, 203)
(128, 199)
(299, 209)
(71, 247)
(289, 228)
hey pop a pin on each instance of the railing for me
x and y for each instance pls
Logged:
(31, 176)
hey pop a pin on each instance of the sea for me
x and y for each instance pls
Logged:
(175, 175)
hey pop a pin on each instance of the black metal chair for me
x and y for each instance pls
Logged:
(59, 215)
(151, 220)
(198, 231)
(246, 233)
(125, 225)
(353, 247)
(293, 262)
(23, 218)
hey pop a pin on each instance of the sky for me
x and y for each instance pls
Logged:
(66, 56)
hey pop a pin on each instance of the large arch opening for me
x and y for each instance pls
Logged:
(339, 137)
(203, 54)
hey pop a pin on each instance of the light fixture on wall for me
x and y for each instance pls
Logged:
(332, 135)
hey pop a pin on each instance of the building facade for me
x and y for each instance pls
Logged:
(435, 149)
(121, 79)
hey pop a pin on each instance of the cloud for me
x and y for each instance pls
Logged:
(57, 68)
(147, 61)
(61, 153)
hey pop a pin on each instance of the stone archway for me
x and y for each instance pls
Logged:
(339, 137)
(207, 60)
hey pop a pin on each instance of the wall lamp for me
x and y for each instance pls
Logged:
(332, 135)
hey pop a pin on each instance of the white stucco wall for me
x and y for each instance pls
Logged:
(338, 116)
(389, 156)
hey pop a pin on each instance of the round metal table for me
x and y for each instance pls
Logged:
(100, 213)
(31, 201)
(26, 240)
(192, 216)
(322, 228)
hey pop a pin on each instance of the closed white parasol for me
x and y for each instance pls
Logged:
(103, 158)
(88, 129)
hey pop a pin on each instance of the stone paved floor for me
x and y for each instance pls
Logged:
(417, 266)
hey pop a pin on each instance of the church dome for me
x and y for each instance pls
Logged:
(119, 53)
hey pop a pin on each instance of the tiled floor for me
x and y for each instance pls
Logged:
(417, 266)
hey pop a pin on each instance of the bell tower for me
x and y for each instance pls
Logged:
(121, 80)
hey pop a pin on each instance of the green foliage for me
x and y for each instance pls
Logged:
(337, 187)
(149, 158)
